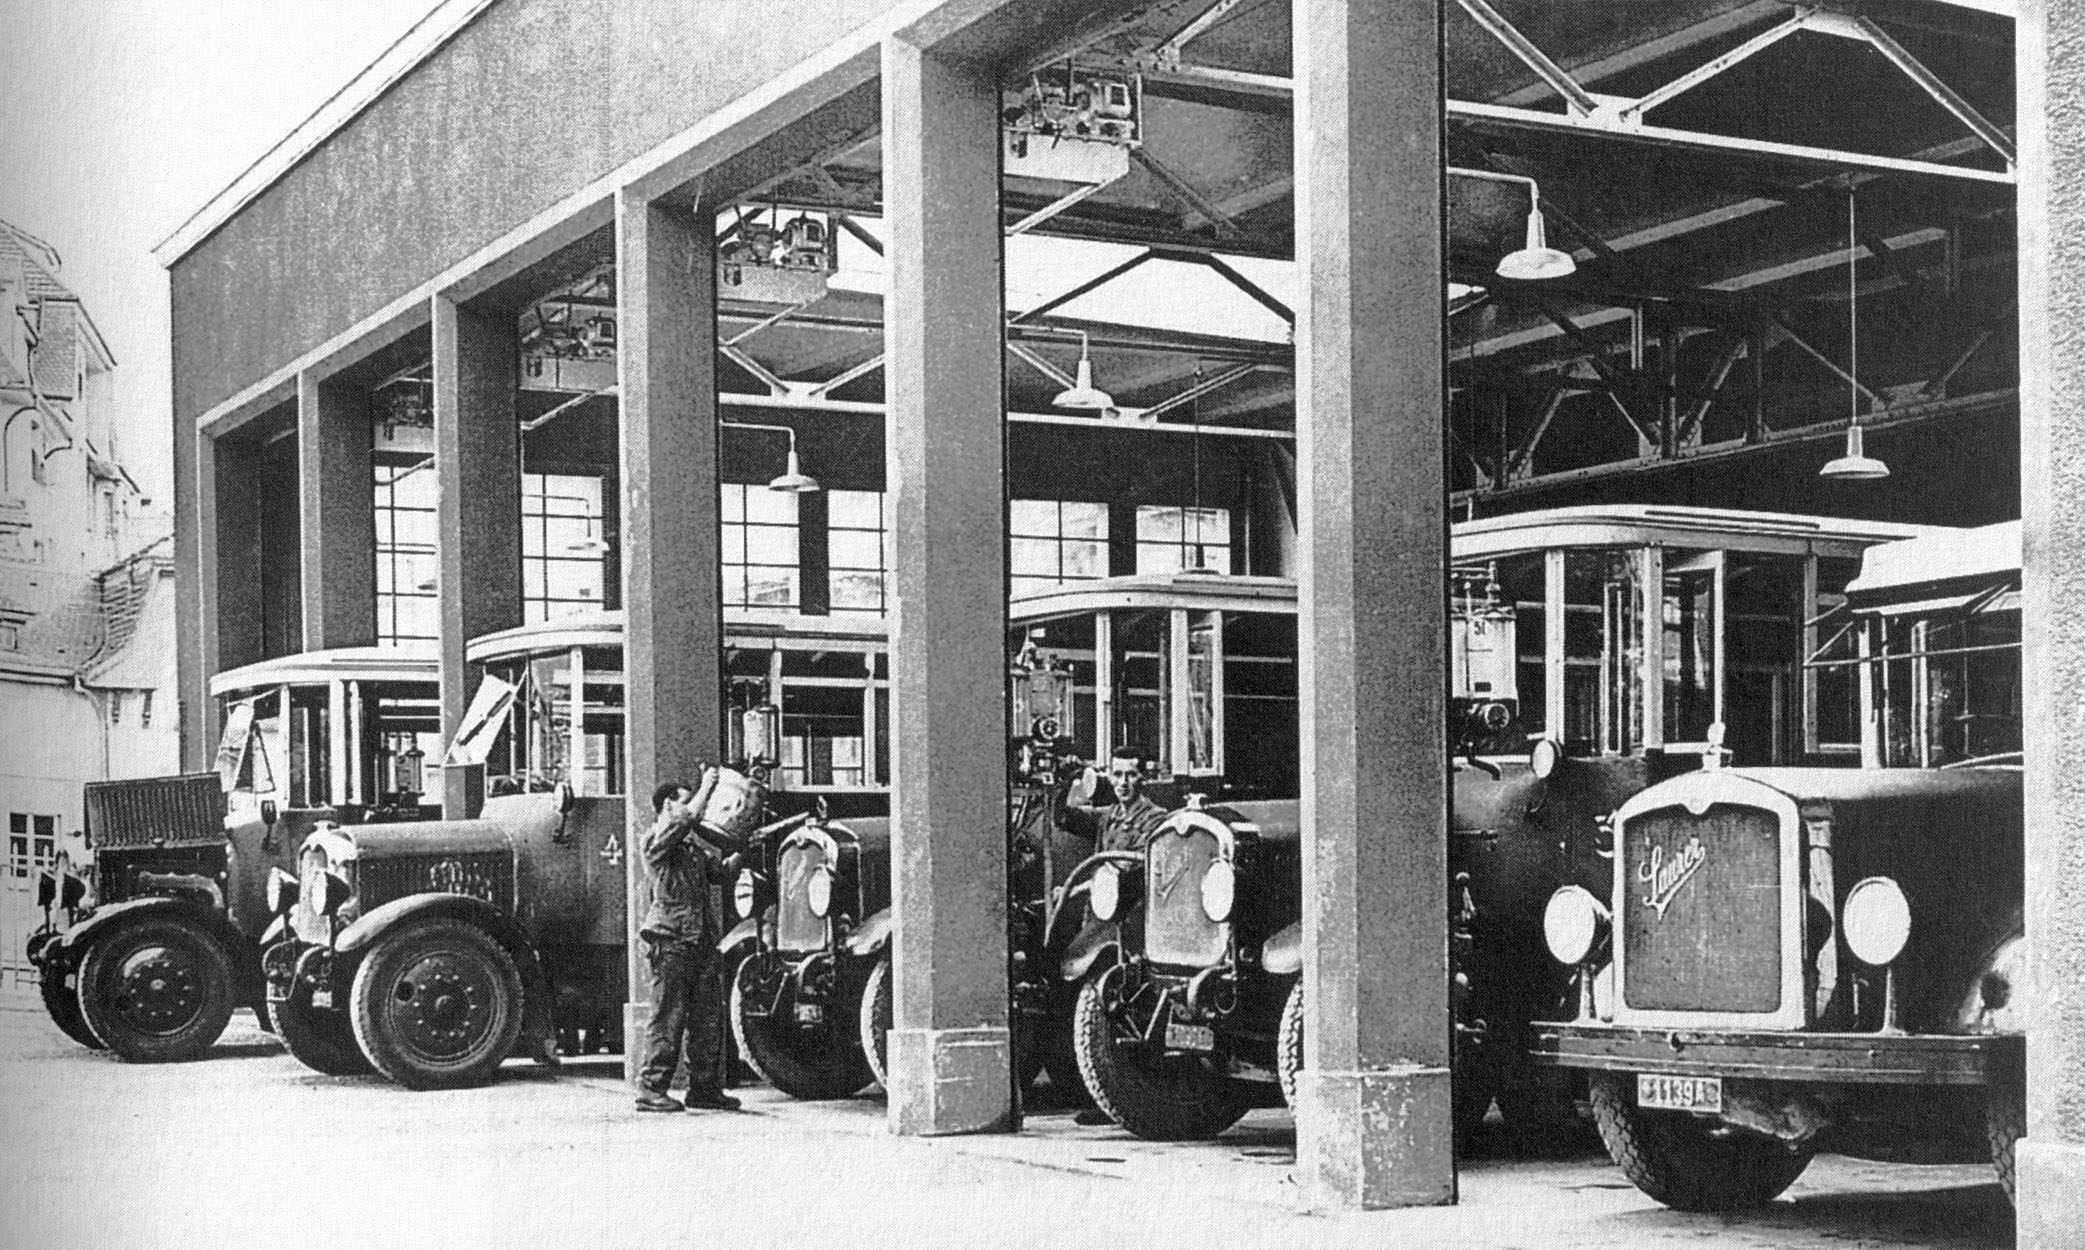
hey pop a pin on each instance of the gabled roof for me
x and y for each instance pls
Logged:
(40, 265)
(80, 630)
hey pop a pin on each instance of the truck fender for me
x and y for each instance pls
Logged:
(72, 947)
(747, 930)
(1282, 954)
(538, 1023)
(1996, 1001)
(1100, 942)
(872, 935)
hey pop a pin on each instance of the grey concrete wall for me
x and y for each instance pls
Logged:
(527, 105)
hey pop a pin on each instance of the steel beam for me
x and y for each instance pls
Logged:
(951, 1051)
(1374, 1121)
(1559, 80)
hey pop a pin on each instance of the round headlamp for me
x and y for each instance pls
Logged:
(330, 893)
(1544, 757)
(1571, 924)
(818, 891)
(1876, 921)
(1105, 894)
(282, 891)
(1219, 890)
(742, 892)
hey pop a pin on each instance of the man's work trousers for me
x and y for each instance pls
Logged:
(685, 1005)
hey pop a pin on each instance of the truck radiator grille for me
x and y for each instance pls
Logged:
(487, 875)
(1701, 910)
(1177, 931)
(796, 927)
(154, 811)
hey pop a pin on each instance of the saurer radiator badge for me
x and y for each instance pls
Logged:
(1664, 879)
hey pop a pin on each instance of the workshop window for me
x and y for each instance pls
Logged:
(760, 548)
(563, 550)
(1169, 539)
(1056, 541)
(407, 608)
(858, 543)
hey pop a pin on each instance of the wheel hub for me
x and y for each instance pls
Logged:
(443, 1005)
(160, 990)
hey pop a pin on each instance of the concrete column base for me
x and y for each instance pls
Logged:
(636, 1017)
(2051, 1194)
(1366, 1141)
(949, 1081)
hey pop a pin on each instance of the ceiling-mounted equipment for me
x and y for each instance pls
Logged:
(766, 260)
(1082, 394)
(1535, 260)
(792, 480)
(1077, 126)
(568, 337)
(1856, 465)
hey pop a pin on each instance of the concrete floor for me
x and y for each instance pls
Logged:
(249, 1148)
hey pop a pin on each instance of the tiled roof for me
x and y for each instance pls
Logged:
(82, 627)
(39, 259)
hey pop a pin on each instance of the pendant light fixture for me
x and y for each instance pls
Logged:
(793, 480)
(1856, 465)
(1082, 394)
(1536, 260)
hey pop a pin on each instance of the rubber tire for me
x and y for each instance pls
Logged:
(63, 1004)
(321, 1039)
(1192, 1104)
(376, 987)
(105, 958)
(776, 1050)
(1288, 1044)
(2005, 1123)
(1677, 1159)
(874, 1019)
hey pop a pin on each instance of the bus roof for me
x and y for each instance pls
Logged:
(1920, 567)
(412, 661)
(1612, 525)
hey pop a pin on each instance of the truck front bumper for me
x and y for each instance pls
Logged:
(1829, 1058)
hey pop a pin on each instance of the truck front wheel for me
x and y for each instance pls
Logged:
(158, 990)
(811, 1061)
(2005, 1123)
(876, 1015)
(1157, 1096)
(1688, 1163)
(320, 1038)
(437, 1005)
(62, 1002)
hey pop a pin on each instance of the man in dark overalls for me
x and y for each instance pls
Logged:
(680, 946)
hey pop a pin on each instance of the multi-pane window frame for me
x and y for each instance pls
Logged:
(32, 843)
(561, 538)
(1173, 537)
(1056, 541)
(752, 525)
(849, 542)
(406, 547)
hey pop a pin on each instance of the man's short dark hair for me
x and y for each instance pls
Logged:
(1127, 752)
(668, 790)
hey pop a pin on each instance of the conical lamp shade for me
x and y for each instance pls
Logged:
(1856, 465)
(1537, 260)
(1083, 393)
(794, 481)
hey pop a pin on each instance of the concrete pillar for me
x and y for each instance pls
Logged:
(2051, 1161)
(666, 289)
(217, 551)
(951, 1051)
(337, 509)
(1375, 1127)
(477, 461)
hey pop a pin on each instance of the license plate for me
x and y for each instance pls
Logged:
(1679, 1093)
(1190, 1037)
(810, 1013)
(322, 998)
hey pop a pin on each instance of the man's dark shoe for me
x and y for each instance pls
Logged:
(711, 1100)
(652, 1100)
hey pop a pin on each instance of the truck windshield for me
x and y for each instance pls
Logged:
(1949, 689)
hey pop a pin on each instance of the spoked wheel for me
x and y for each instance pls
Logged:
(875, 1015)
(1689, 1163)
(62, 1001)
(1157, 1096)
(2005, 1123)
(157, 991)
(322, 1039)
(437, 1005)
(1471, 1097)
(813, 1062)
